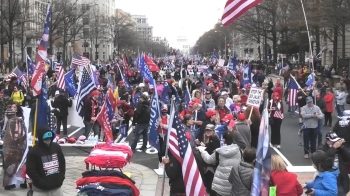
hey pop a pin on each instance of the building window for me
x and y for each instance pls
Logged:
(85, 21)
(86, 33)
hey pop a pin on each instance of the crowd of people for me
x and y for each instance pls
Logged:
(209, 100)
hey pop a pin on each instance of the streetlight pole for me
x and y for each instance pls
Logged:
(225, 42)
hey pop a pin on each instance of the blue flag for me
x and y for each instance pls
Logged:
(145, 72)
(165, 94)
(110, 112)
(220, 130)
(123, 130)
(310, 80)
(187, 97)
(233, 66)
(247, 77)
(43, 107)
(155, 114)
(93, 75)
(70, 84)
(262, 170)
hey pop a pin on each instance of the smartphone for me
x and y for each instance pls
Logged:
(308, 191)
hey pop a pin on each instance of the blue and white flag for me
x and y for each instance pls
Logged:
(310, 80)
(247, 75)
(165, 94)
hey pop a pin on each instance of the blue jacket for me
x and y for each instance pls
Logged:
(325, 183)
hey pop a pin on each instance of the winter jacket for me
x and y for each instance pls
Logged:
(307, 113)
(325, 183)
(342, 130)
(329, 99)
(228, 156)
(244, 135)
(321, 104)
(142, 113)
(46, 165)
(340, 97)
(61, 103)
(287, 183)
(174, 171)
(241, 178)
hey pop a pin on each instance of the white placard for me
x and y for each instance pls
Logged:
(221, 62)
(254, 97)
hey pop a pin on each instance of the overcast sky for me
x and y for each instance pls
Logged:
(174, 18)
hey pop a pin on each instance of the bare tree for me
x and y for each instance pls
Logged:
(123, 31)
(10, 20)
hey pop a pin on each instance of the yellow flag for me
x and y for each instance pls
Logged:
(116, 94)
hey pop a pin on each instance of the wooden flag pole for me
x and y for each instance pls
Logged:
(35, 122)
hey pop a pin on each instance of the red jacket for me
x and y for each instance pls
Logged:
(329, 98)
(287, 183)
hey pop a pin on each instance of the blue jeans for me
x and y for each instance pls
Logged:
(340, 110)
(309, 136)
(91, 126)
(319, 132)
(140, 129)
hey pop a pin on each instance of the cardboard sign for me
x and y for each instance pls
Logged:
(255, 96)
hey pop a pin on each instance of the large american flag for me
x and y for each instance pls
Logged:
(278, 111)
(86, 87)
(79, 60)
(181, 149)
(60, 76)
(293, 91)
(235, 9)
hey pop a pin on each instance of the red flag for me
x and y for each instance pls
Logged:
(235, 9)
(103, 120)
(126, 67)
(151, 65)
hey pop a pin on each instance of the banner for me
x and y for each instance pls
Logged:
(15, 149)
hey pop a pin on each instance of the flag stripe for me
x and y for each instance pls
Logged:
(86, 87)
(236, 8)
(60, 74)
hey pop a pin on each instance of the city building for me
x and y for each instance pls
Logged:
(182, 44)
(161, 40)
(144, 30)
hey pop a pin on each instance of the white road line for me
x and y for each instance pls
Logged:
(123, 139)
(75, 131)
(281, 155)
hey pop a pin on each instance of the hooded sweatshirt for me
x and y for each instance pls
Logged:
(46, 165)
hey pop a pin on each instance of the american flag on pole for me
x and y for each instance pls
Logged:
(181, 149)
(15, 73)
(40, 68)
(24, 79)
(86, 86)
(293, 91)
(235, 9)
(60, 76)
(79, 60)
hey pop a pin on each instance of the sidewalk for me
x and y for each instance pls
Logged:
(146, 179)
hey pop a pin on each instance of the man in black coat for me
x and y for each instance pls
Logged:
(61, 103)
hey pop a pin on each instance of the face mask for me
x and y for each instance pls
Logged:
(47, 142)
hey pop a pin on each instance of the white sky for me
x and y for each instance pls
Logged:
(172, 18)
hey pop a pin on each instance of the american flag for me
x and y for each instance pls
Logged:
(86, 87)
(15, 73)
(278, 111)
(79, 60)
(181, 149)
(293, 91)
(235, 9)
(60, 76)
(24, 79)
(30, 65)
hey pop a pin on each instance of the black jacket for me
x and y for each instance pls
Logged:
(321, 104)
(142, 113)
(46, 165)
(343, 158)
(62, 103)
(174, 171)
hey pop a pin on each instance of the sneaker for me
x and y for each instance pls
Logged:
(10, 187)
(306, 156)
(278, 146)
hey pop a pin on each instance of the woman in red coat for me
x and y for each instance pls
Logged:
(286, 182)
(329, 99)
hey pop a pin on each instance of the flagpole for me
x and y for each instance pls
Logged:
(170, 123)
(308, 33)
(35, 122)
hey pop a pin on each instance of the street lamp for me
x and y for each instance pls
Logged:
(225, 42)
